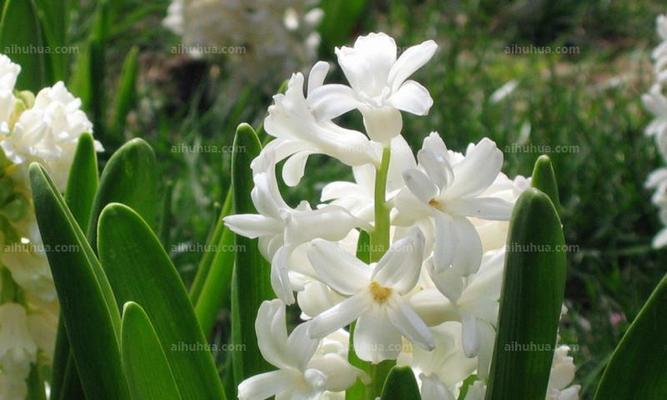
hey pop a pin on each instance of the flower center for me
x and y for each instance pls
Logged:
(379, 292)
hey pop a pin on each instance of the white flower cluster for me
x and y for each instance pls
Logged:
(254, 33)
(656, 103)
(44, 128)
(431, 301)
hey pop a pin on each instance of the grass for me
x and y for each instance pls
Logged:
(587, 103)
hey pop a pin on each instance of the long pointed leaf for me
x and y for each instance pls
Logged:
(400, 384)
(144, 362)
(92, 322)
(638, 367)
(531, 300)
(544, 179)
(81, 187)
(139, 270)
(251, 282)
(130, 177)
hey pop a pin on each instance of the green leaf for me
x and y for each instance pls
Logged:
(83, 181)
(544, 179)
(531, 300)
(145, 364)
(54, 19)
(216, 291)
(340, 19)
(139, 270)
(87, 303)
(81, 187)
(125, 94)
(400, 385)
(251, 277)
(207, 259)
(638, 367)
(130, 177)
(21, 39)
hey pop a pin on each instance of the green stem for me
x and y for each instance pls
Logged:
(380, 235)
(379, 243)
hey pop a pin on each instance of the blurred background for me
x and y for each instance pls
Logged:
(563, 78)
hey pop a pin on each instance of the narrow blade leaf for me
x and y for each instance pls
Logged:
(139, 270)
(531, 300)
(400, 384)
(91, 318)
(251, 277)
(148, 374)
(638, 367)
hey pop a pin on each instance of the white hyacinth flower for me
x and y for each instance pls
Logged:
(473, 301)
(374, 297)
(299, 134)
(8, 74)
(17, 349)
(358, 196)
(449, 189)
(660, 53)
(48, 133)
(281, 229)
(379, 85)
(656, 103)
(302, 372)
(561, 377)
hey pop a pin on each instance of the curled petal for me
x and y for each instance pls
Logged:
(339, 316)
(412, 97)
(410, 61)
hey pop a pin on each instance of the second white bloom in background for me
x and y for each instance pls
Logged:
(374, 297)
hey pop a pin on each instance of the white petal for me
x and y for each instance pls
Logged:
(340, 374)
(301, 346)
(339, 316)
(491, 208)
(399, 268)
(272, 333)
(410, 61)
(445, 242)
(469, 335)
(263, 386)
(331, 101)
(280, 275)
(294, 167)
(252, 225)
(477, 171)
(420, 185)
(317, 75)
(436, 167)
(406, 320)
(468, 255)
(375, 337)
(448, 281)
(412, 97)
(434, 389)
(337, 268)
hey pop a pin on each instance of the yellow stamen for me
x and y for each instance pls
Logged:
(380, 293)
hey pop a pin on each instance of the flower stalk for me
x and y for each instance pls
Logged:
(379, 238)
